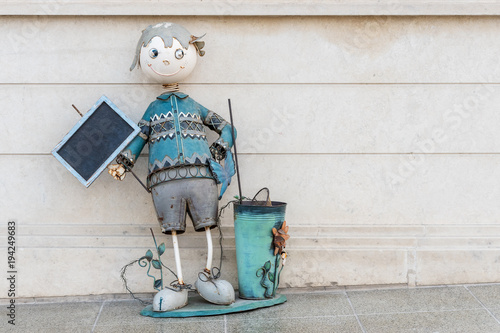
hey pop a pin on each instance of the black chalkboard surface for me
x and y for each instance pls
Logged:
(95, 141)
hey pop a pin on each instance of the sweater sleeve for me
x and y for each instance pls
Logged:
(130, 154)
(217, 124)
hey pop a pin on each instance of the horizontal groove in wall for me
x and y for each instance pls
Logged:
(239, 8)
(145, 227)
(250, 84)
(338, 238)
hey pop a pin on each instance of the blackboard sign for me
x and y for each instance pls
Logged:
(95, 141)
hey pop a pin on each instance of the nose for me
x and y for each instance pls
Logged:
(166, 62)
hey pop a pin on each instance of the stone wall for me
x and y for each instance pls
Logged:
(380, 132)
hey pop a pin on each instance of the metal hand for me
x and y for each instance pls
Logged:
(117, 171)
(218, 152)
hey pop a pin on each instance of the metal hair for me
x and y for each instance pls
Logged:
(167, 32)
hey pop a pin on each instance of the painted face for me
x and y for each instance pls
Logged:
(167, 64)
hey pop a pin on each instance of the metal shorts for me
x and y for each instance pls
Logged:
(197, 196)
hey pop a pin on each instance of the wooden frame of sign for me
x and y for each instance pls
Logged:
(95, 141)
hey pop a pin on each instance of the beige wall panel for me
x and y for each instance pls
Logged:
(319, 190)
(282, 118)
(340, 267)
(39, 190)
(458, 266)
(259, 50)
(378, 189)
(91, 271)
(255, 7)
(84, 271)
(47, 115)
(461, 243)
(462, 231)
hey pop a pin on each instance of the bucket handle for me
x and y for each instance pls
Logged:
(262, 189)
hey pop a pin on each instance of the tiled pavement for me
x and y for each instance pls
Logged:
(458, 308)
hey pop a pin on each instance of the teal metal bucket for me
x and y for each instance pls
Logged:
(258, 267)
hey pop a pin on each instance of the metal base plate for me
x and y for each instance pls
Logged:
(198, 307)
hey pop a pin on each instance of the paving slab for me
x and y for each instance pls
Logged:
(125, 316)
(53, 317)
(341, 324)
(489, 295)
(163, 326)
(466, 321)
(496, 314)
(412, 300)
(439, 309)
(301, 306)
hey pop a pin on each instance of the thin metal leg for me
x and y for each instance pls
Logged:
(177, 257)
(210, 249)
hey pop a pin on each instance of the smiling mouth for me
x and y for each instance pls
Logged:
(181, 67)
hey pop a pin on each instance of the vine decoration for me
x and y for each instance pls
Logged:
(149, 261)
(269, 280)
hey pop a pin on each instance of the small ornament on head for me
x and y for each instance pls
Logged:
(166, 52)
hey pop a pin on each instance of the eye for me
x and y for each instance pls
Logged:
(153, 53)
(179, 54)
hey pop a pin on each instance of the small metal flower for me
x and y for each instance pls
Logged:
(280, 238)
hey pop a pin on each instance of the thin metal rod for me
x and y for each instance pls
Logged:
(133, 174)
(119, 160)
(235, 150)
(210, 251)
(73, 105)
(177, 257)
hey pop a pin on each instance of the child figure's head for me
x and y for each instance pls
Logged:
(166, 52)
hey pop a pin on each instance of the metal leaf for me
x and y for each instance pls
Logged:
(271, 277)
(267, 265)
(158, 283)
(149, 255)
(156, 264)
(161, 249)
